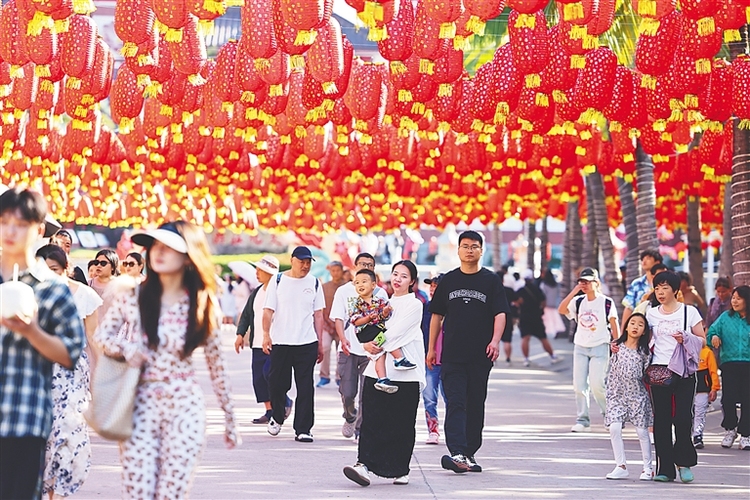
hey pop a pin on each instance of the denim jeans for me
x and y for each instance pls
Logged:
(589, 374)
(430, 397)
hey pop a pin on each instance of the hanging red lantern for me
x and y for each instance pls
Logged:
(25, 88)
(716, 102)
(126, 98)
(448, 68)
(483, 105)
(257, 19)
(276, 73)
(638, 117)
(623, 93)
(596, 80)
(325, 59)
(445, 12)
(686, 74)
(208, 10)
(78, 48)
(145, 58)
(741, 91)
(289, 39)
(174, 14)
(246, 75)
(699, 9)
(305, 16)
(562, 71)
(508, 82)
(134, 23)
(701, 43)
(482, 11)
(397, 46)
(367, 94)
(604, 15)
(446, 107)
(12, 48)
(224, 84)
(730, 17)
(164, 65)
(654, 9)
(655, 48)
(427, 41)
(41, 49)
(529, 44)
(101, 71)
(527, 6)
(189, 56)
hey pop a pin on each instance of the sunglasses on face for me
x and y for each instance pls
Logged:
(129, 264)
(102, 263)
(584, 282)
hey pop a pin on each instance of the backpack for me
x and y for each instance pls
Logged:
(607, 309)
(278, 280)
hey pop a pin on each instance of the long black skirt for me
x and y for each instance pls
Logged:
(388, 432)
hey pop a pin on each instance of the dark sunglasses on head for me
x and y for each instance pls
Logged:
(129, 264)
(102, 263)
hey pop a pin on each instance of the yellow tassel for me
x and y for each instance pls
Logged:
(215, 7)
(691, 101)
(666, 137)
(46, 86)
(39, 22)
(248, 97)
(526, 126)
(615, 127)
(447, 30)
(262, 65)
(42, 71)
(573, 11)
(397, 68)
(501, 113)
(329, 88)
(526, 21)
(300, 131)
(174, 35)
(235, 3)
(647, 8)
(126, 125)
(590, 42)
(404, 95)
(344, 150)
(445, 90)
(648, 82)
(649, 26)
(580, 151)
(659, 125)
(218, 133)
(426, 67)
(129, 49)
(732, 35)
(145, 60)
(41, 124)
(533, 81)
(87, 100)
(476, 25)
(72, 83)
(305, 37)
(227, 107)
(541, 100)
(377, 33)
(681, 148)
(578, 32)
(143, 80)
(152, 89)
(276, 90)
(81, 125)
(703, 66)
(537, 139)
(196, 80)
(84, 7)
(744, 124)
(62, 26)
(676, 115)
(418, 108)
(462, 42)
(657, 158)
(204, 131)
(577, 61)
(559, 96)
(706, 26)
(490, 148)
(297, 61)
(628, 158)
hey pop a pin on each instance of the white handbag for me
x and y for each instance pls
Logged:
(113, 388)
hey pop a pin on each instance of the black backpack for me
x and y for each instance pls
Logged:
(607, 309)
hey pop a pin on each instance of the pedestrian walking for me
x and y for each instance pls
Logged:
(169, 315)
(388, 431)
(731, 334)
(433, 385)
(627, 396)
(292, 329)
(352, 358)
(64, 240)
(336, 269)
(553, 323)
(107, 268)
(30, 344)
(470, 306)
(708, 384)
(596, 327)
(531, 302)
(640, 286)
(133, 265)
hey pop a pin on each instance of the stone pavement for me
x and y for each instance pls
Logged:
(528, 451)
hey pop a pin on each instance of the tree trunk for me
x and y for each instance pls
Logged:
(725, 266)
(543, 246)
(741, 206)
(531, 249)
(571, 254)
(590, 257)
(497, 243)
(646, 201)
(598, 209)
(695, 252)
(630, 222)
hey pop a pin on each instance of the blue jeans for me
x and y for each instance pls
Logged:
(430, 397)
(589, 375)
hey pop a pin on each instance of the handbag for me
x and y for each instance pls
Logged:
(658, 375)
(369, 333)
(113, 388)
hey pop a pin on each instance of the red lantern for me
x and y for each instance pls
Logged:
(78, 48)
(730, 17)
(134, 23)
(101, 71)
(367, 94)
(638, 117)
(305, 15)
(562, 71)
(189, 56)
(508, 80)
(529, 44)
(12, 48)
(427, 41)
(25, 88)
(604, 15)
(257, 24)
(325, 59)
(623, 93)
(716, 103)
(173, 14)
(223, 75)
(655, 48)
(398, 45)
(290, 40)
(527, 6)
(276, 73)
(698, 9)
(701, 43)
(597, 78)
(482, 105)
(126, 97)
(482, 11)
(246, 76)
(444, 12)
(741, 91)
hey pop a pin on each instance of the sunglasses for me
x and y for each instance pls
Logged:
(584, 282)
(102, 263)
(129, 264)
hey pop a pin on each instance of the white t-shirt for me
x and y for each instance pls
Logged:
(260, 300)
(87, 300)
(293, 301)
(592, 327)
(343, 307)
(664, 325)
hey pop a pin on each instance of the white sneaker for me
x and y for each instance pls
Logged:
(745, 443)
(554, 359)
(358, 473)
(401, 480)
(647, 475)
(347, 430)
(729, 437)
(580, 428)
(526, 362)
(273, 427)
(618, 473)
(433, 438)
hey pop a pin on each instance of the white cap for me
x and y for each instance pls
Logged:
(166, 234)
(268, 263)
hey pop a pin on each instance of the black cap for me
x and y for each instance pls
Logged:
(434, 279)
(589, 274)
(302, 253)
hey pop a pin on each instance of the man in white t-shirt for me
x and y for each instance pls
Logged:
(597, 326)
(352, 358)
(292, 326)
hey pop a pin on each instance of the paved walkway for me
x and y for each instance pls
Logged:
(528, 451)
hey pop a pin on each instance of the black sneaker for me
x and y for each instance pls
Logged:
(698, 442)
(473, 465)
(457, 463)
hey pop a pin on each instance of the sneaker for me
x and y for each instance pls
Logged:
(457, 463)
(580, 428)
(273, 427)
(262, 419)
(385, 385)
(358, 473)
(686, 475)
(473, 465)
(323, 381)
(356, 438)
(647, 475)
(347, 430)
(507, 360)
(745, 443)
(433, 438)
(403, 364)
(526, 362)
(554, 359)
(304, 438)
(661, 478)
(618, 473)
(729, 437)
(401, 480)
(698, 442)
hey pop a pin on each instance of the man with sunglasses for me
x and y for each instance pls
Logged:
(597, 326)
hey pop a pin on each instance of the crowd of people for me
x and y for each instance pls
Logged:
(659, 367)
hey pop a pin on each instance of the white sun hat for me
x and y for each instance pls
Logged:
(166, 234)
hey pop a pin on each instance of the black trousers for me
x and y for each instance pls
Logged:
(682, 452)
(465, 386)
(735, 383)
(21, 466)
(261, 369)
(301, 359)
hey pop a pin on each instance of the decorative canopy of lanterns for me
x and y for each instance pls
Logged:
(288, 128)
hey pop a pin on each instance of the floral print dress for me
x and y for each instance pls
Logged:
(627, 396)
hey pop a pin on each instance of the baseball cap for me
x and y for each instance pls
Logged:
(268, 263)
(434, 279)
(166, 234)
(589, 274)
(302, 253)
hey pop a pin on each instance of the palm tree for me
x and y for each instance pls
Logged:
(630, 222)
(598, 211)
(725, 266)
(571, 251)
(497, 242)
(695, 252)
(543, 245)
(646, 201)
(741, 186)
(590, 256)
(531, 249)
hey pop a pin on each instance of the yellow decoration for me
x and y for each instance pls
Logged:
(647, 8)
(447, 30)
(573, 11)
(648, 81)
(297, 61)
(404, 95)
(649, 26)
(329, 88)
(305, 37)
(533, 81)
(377, 33)
(703, 66)
(541, 100)
(706, 26)
(476, 25)
(732, 35)
(445, 90)
(173, 35)
(426, 67)
(526, 21)
(84, 7)
(215, 7)
(262, 65)
(276, 90)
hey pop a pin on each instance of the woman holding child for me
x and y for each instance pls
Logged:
(388, 430)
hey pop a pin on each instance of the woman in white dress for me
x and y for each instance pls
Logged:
(68, 452)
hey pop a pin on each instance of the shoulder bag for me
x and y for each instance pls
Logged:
(661, 375)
